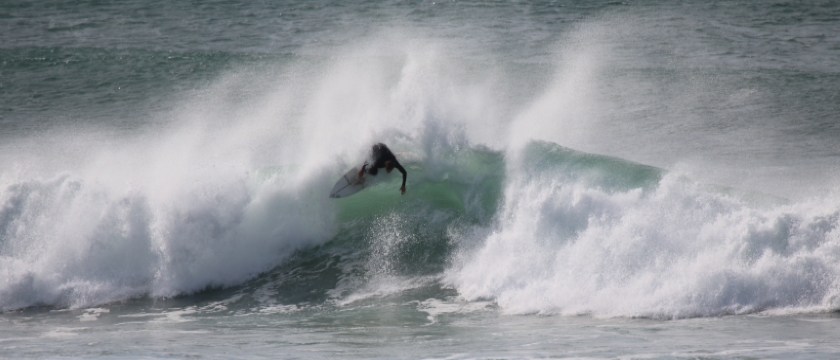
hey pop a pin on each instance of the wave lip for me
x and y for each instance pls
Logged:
(567, 245)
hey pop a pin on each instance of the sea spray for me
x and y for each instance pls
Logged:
(228, 186)
(158, 214)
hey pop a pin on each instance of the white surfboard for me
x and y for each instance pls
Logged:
(349, 184)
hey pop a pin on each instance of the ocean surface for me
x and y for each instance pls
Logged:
(586, 179)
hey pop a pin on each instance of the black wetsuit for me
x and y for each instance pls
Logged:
(382, 154)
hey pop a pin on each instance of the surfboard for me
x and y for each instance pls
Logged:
(349, 184)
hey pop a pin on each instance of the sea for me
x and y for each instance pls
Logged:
(587, 179)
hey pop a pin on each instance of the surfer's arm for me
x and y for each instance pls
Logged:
(362, 171)
(400, 168)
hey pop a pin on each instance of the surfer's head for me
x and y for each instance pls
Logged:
(389, 165)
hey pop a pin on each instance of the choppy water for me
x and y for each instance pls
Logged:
(586, 179)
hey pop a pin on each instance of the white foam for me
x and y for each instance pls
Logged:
(678, 251)
(92, 314)
(436, 307)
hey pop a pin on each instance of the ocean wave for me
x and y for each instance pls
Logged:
(229, 186)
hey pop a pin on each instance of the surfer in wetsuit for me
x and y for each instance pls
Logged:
(383, 158)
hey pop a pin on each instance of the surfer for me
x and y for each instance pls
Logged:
(383, 158)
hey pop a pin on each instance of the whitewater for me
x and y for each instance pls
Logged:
(585, 180)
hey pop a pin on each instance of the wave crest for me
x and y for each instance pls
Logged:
(677, 249)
